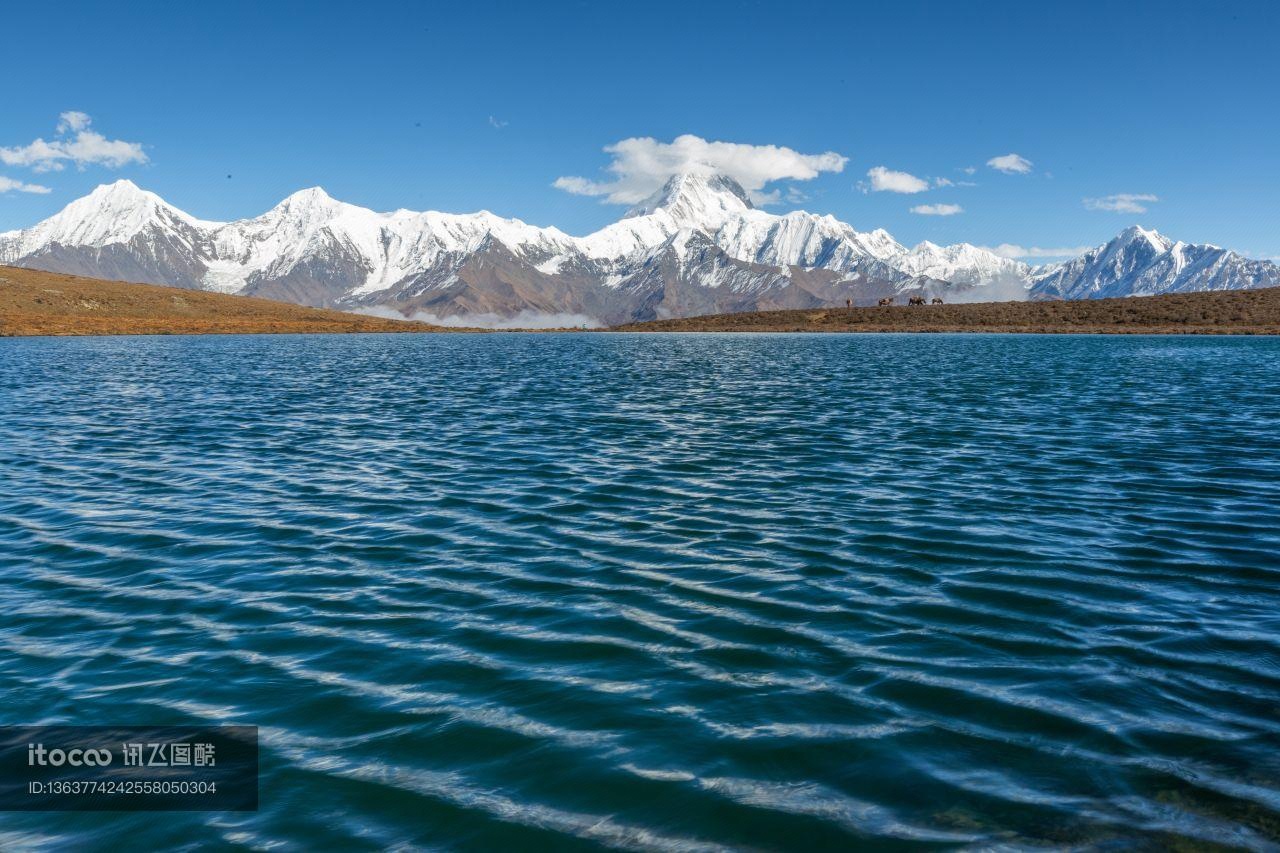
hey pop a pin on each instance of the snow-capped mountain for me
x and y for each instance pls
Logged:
(961, 264)
(698, 245)
(117, 232)
(719, 207)
(1139, 262)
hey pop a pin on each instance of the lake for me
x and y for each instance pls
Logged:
(567, 591)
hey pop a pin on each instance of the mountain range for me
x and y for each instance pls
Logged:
(697, 246)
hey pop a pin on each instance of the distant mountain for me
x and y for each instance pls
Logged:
(1139, 262)
(696, 246)
(962, 264)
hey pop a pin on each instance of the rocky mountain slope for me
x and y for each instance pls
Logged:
(697, 246)
(1139, 262)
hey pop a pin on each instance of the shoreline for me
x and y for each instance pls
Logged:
(1226, 312)
(1154, 332)
(216, 333)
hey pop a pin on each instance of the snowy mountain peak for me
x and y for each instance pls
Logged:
(308, 203)
(112, 213)
(309, 196)
(1136, 233)
(121, 189)
(108, 200)
(696, 199)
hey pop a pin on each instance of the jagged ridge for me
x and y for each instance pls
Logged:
(698, 244)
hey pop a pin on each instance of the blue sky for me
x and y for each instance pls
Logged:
(485, 105)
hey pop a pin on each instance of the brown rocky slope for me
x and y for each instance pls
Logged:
(33, 302)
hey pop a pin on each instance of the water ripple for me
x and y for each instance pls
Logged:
(659, 592)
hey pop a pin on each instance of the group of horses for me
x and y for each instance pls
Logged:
(914, 300)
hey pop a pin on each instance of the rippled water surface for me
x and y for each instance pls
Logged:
(530, 591)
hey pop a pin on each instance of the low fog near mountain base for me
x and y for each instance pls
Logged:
(1002, 290)
(521, 320)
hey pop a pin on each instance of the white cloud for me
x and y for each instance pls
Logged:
(1121, 202)
(969, 170)
(943, 182)
(1010, 164)
(580, 186)
(1011, 250)
(887, 180)
(1274, 257)
(497, 123)
(73, 121)
(641, 165)
(937, 209)
(766, 199)
(74, 142)
(10, 185)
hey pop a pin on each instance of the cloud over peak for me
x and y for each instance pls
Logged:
(1121, 202)
(1010, 164)
(937, 209)
(641, 165)
(1012, 250)
(76, 143)
(883, 179)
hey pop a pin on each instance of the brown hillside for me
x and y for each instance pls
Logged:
(43, 303)
(1235, 312)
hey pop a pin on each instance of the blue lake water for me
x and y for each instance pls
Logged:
(658, 592)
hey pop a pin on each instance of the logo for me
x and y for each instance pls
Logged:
(38, 756)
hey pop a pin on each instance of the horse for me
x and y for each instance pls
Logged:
(888, 300)
(916, 300)
(937, 300)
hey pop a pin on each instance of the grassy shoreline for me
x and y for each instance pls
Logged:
(1235, 312)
